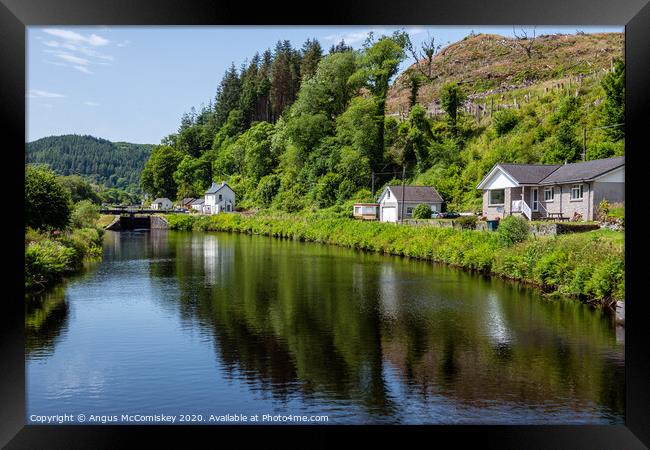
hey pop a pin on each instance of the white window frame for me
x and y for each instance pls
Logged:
(357, 210)
(582, 192)
(490, 197)
(534, 203)
(552, 196)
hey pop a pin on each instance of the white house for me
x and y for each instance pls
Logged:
(219, 198)
(161, 203)
(197, 204)
(390, 201)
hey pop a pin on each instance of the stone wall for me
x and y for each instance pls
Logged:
(158, 223)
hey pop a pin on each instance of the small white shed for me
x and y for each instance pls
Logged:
(390, 201)
(161, 203)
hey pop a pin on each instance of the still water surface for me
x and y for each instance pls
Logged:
(213, 323)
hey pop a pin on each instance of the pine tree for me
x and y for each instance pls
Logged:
(312, 53)
(228, 95)
(285, 78)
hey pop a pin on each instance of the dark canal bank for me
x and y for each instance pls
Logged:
(217, 323)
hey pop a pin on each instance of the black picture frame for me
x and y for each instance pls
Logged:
(15, 15)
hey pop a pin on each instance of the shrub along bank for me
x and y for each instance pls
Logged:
(589, 266)
(59, 236)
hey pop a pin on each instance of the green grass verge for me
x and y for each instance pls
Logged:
(589, 265)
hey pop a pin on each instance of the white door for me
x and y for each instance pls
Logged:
(388, 214)
(534, 199)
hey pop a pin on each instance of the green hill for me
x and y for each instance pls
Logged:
(111, 164)
(349, 125)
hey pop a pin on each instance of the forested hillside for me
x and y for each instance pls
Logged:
(302, 128)
(111, 164)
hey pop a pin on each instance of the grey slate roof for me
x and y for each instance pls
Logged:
(198, 201)
(583, 171)
(187, 200)
(529, 173)
(160, 200)
(562, 173)
(424, 194)
(215, 187)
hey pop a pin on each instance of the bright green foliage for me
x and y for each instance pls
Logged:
(267, 189)
(258, 159)
(312, 53)
(614, 105)
(422, 211)
(84, 215)
(158, 174)
(452, 98)
(505, 121)
(228, 94)
(325, 193)
(192, 176)
(48, 203)
(512, 229)
(467, 222)
(80, 189)
(378, 64)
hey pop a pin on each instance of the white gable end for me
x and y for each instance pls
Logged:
(615, 176)
(498, 180)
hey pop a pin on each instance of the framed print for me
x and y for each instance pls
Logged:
(397, 221)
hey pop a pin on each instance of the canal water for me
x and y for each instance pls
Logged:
(210, 324)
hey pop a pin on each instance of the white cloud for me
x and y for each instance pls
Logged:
(124, 43)
(72, 58)
(36, 93)
(76, 50)
(83, 69)
(72, 36)
(89, 103)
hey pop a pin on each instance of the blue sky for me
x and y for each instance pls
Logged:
(134, 83)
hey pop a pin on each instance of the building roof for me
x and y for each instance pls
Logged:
(198, 201)
(215, 187)
(558, 173)
(423, 194)
(583, 171)
(187, 200)
(160, 200)
(529, 173)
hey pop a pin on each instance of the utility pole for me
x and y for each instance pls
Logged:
(403, 189)
(373, 187)
(584, 144)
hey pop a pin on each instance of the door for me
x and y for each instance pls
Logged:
(534, 200)
(388, 214)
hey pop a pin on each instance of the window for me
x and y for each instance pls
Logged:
(409, 210)
(357, 209)
(549, 193)
(576, 192)
(497, 197)
(220, 197)
(387, 193)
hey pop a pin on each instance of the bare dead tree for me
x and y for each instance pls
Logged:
(428, 49)
(526, 43)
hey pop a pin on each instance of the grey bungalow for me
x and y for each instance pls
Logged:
(539, 191)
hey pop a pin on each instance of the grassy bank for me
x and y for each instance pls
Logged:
(50, 257)
(589, 266)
